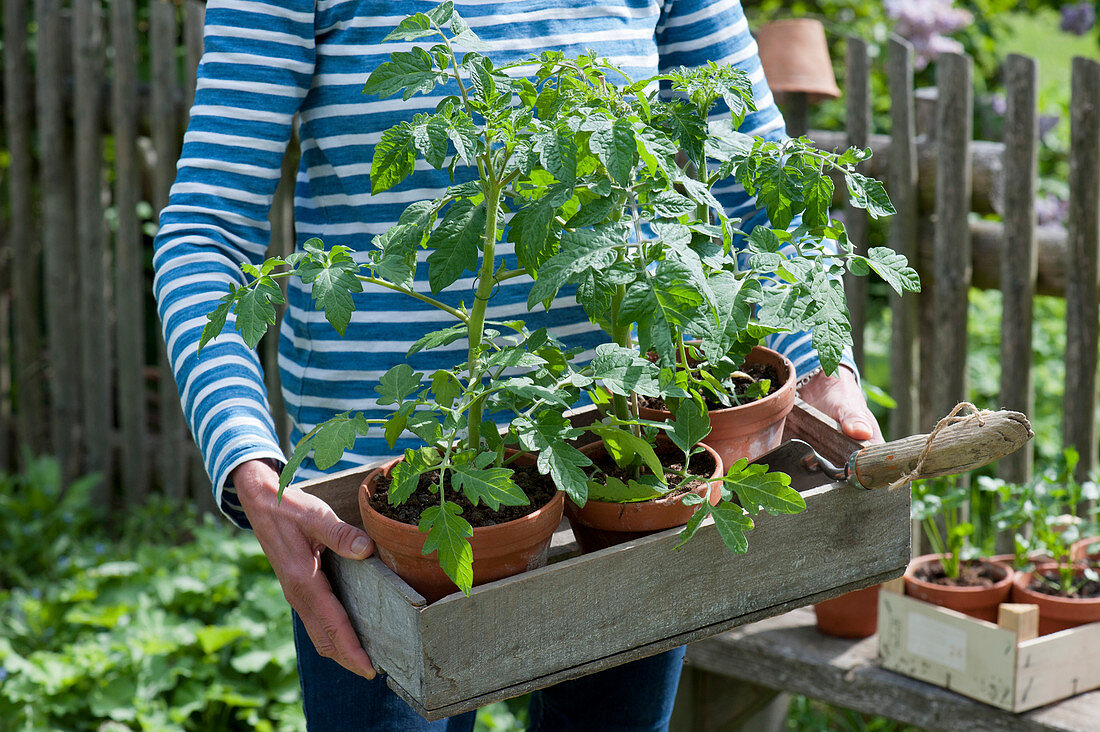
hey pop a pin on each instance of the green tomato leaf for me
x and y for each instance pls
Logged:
(623, 371)
(756, 488)
(438, 338)
(581, 250)
(255, 309)
(818, 193)
(671, 204)
(693, 523)
(397, 384)
(406, 474)
(493, 486)
(547, 433)
(870, 194)
(448, 536)
(894, 268)
(732, 523)
(690, 424)
(832, 331)
(413, 27)
(613, 490)
(531, 231)
(429, 134)
(616, 148)
(558, 155)
(394, 158)
(623, 445)
(215, 321)
(455, 243)
(333, 279)
(412, 71)
(444, 14)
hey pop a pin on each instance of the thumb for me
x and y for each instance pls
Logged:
(857, 424)
(339, 536)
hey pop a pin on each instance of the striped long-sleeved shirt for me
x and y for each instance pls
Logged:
(267, 60)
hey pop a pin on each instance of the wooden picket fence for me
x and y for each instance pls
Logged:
(83, 373)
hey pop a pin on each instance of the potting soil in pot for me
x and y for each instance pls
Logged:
(971, 574)
(672, 459)
(757, 371)
(1088, 590)
(539, 488)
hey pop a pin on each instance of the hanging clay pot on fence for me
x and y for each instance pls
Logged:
(600, 524)
(976, 601)
(499, 551)
(749, 430)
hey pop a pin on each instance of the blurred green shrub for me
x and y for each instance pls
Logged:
(122, 624)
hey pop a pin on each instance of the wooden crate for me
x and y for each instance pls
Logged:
(984, 661)
(582, 614)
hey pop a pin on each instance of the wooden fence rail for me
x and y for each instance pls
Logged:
(83, 374)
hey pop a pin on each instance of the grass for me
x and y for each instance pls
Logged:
(1038, 35)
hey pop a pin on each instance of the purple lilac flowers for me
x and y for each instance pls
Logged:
(925, 24)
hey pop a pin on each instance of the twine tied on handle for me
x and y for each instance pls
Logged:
(953, 418)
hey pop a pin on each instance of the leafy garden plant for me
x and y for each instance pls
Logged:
(602, 186)
(943, 499)
(1044, 518)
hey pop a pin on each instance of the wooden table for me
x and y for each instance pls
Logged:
(787, 653)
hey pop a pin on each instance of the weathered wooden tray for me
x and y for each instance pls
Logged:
(994, 664)
(586, 613)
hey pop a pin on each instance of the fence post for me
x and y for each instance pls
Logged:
(23, 244)
(857, 89)
(58, 243)
(129, 258)
(1079, 426)
(1020, 256)
(954, 123)
(166, 129)
(904, 338)
(93, 277)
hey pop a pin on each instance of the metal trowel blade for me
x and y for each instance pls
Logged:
(798, 460)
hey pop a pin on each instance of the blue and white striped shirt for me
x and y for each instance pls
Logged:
(267, 60)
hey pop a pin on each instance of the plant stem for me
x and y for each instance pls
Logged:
(419, 296)
(476, 323)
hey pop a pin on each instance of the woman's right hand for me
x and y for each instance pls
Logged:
(292, 533)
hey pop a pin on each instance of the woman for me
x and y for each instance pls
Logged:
(267, 60)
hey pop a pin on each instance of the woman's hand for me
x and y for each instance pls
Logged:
(841, 398)
(293, 533)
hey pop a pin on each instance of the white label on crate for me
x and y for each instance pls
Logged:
(938, 642)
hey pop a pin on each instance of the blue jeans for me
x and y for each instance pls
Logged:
(634, 697)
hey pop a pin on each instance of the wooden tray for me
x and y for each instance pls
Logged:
(995, 664)
(582, 614)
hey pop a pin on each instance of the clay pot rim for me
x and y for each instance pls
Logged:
(784, 392)
(1022, 580)
(1002, 583)
(1077, 548)
(719, 470)
(487, 532)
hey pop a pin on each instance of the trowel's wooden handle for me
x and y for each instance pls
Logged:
(958, 447)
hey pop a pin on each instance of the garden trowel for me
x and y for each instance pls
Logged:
(953, 447)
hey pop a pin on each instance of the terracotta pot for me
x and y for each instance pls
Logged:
(977, 602)
(752, 429)
(600, 524)
(854, 615)
(795, 56)
(1056, 613)
(1080, 549)
(499, 551)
